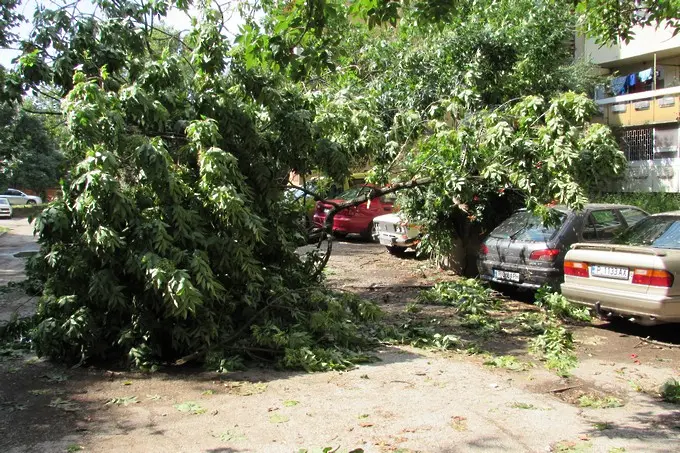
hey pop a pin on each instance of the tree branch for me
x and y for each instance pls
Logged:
(40, 112)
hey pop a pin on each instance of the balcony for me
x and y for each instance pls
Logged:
(639, 109)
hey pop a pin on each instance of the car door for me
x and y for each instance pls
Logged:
(602, 225)
(14, 197)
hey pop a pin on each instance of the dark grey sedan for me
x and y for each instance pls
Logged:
(524, 253)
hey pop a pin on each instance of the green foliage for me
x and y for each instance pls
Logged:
(469, 296)
(596, 402)
(508, 362)
(31, 158)
(190, 407)
(670, 391)
(556, 347)
(611, 20)
(472, 301)
(174, 238)
(652, 202)
(558, 306)
(420, 334)
(530, 322)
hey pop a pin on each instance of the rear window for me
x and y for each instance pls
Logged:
(658, 232)
(632, 215)
(353, 193)
(524, 226)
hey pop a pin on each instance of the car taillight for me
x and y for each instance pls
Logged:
(544, 255)
(483, 249)
(576, 268)
(652, 277)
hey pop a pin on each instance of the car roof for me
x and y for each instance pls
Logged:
(672, 213)
(590, 206)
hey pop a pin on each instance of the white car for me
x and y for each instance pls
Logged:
(395, 232)
(5, 208)
(17, 197)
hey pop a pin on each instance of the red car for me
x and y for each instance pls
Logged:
(357, 219)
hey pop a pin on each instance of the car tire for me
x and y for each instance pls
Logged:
(395, 250)
(30, 201)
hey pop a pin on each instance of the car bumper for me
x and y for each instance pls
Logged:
(396, 240)
(531, 277)
(5, 213)
(647, 309)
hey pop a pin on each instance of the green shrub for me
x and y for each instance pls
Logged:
(557, 305)
(468, 296)
(556, 347)
(670, 391)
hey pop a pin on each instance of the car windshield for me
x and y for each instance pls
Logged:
(4, 201)
(658, 231)
(524, 226)
(353, 193)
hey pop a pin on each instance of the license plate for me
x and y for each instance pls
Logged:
(620, 273)
(506, 275)
(385, 240)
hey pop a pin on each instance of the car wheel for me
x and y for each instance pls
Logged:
(394, 250)
(30, 201)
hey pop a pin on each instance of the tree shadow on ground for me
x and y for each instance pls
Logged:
(49, 407)
(666, 333)
(657, 420)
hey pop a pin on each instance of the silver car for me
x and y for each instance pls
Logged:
(523, 252)
(634, 277)
(17, 197)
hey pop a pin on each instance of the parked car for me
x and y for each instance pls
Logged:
(5, 208)
(17, 197)
(395, 232)
(357, 219)
(525, 253)
(634, 276)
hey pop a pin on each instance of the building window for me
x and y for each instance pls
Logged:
(665, 141)
(638, 143)
(647, 143)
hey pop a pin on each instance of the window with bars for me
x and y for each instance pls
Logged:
(651, 142)
(638, 143)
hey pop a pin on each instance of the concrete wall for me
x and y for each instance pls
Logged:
(647, 41)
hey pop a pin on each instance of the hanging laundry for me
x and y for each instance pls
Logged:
(619, 85)
(631, 80)
(645, 75)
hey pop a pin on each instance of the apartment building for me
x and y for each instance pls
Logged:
(642, 105)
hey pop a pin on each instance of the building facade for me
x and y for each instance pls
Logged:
(642, 105)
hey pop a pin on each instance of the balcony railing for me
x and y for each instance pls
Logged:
(638, 109)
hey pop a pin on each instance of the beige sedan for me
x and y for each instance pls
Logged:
(633, 277)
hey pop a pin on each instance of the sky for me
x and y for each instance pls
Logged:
(179, 20)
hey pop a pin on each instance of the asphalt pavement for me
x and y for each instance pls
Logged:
(18, 241)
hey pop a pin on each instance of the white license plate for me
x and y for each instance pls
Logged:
(385, 240)
(620, 273)
(506, 275)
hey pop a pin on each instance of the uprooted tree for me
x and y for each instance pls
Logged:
(174, 238)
